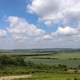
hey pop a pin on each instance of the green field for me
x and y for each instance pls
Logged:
(69, 63)
(59, 55)
(42, 66)
(69, 59)
(51, 76)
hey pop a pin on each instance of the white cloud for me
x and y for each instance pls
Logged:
(47, 37)
(66, 30)
(3, 33)
(20, 29)
(22, 34)
(66, 34)
(28, 35)
(52, 10)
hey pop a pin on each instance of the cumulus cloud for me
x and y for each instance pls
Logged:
(47, 37)
(3, 33)
(20, 29)
(52, 10)
(67, 34)
(67, 30)
(22, 34)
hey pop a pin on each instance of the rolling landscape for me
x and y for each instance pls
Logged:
(41, 64)
(39, 39)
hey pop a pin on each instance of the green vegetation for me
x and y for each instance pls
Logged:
(51, 76)
(56, 65)
(65, 58)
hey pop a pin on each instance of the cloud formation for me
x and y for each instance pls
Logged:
(53, 10)
(23, 34)
(26, 35)
(3, 33)
(20, 29)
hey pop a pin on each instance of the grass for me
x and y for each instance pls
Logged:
(14, 70)
(69, 63)
(62, 55)
(69, 59)
(68, 55)
(51, 76)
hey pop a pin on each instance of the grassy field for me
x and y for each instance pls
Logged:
(60, 55)
(69, 63)
(58, 66)
(69, 59)
(51, 76)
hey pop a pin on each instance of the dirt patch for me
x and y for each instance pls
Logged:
(15, 77)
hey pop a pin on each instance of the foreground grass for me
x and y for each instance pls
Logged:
(52, 76)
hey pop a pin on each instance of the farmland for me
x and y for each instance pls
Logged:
(42, 65)
(69, 59)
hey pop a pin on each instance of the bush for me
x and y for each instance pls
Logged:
(11, 60)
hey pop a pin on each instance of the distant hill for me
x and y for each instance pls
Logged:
(46, 50)
(42, 50)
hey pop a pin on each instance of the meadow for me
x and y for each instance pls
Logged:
(70, 59)
(42, 65)
(51, 76)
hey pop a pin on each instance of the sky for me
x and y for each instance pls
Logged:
(33, 24)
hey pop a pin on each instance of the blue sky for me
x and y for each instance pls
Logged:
(15, 8)
(18, 8)
(39, 24)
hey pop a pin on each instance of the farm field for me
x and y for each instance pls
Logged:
(69, 59)
(42, 66)
(69, 63)
(59, 55)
